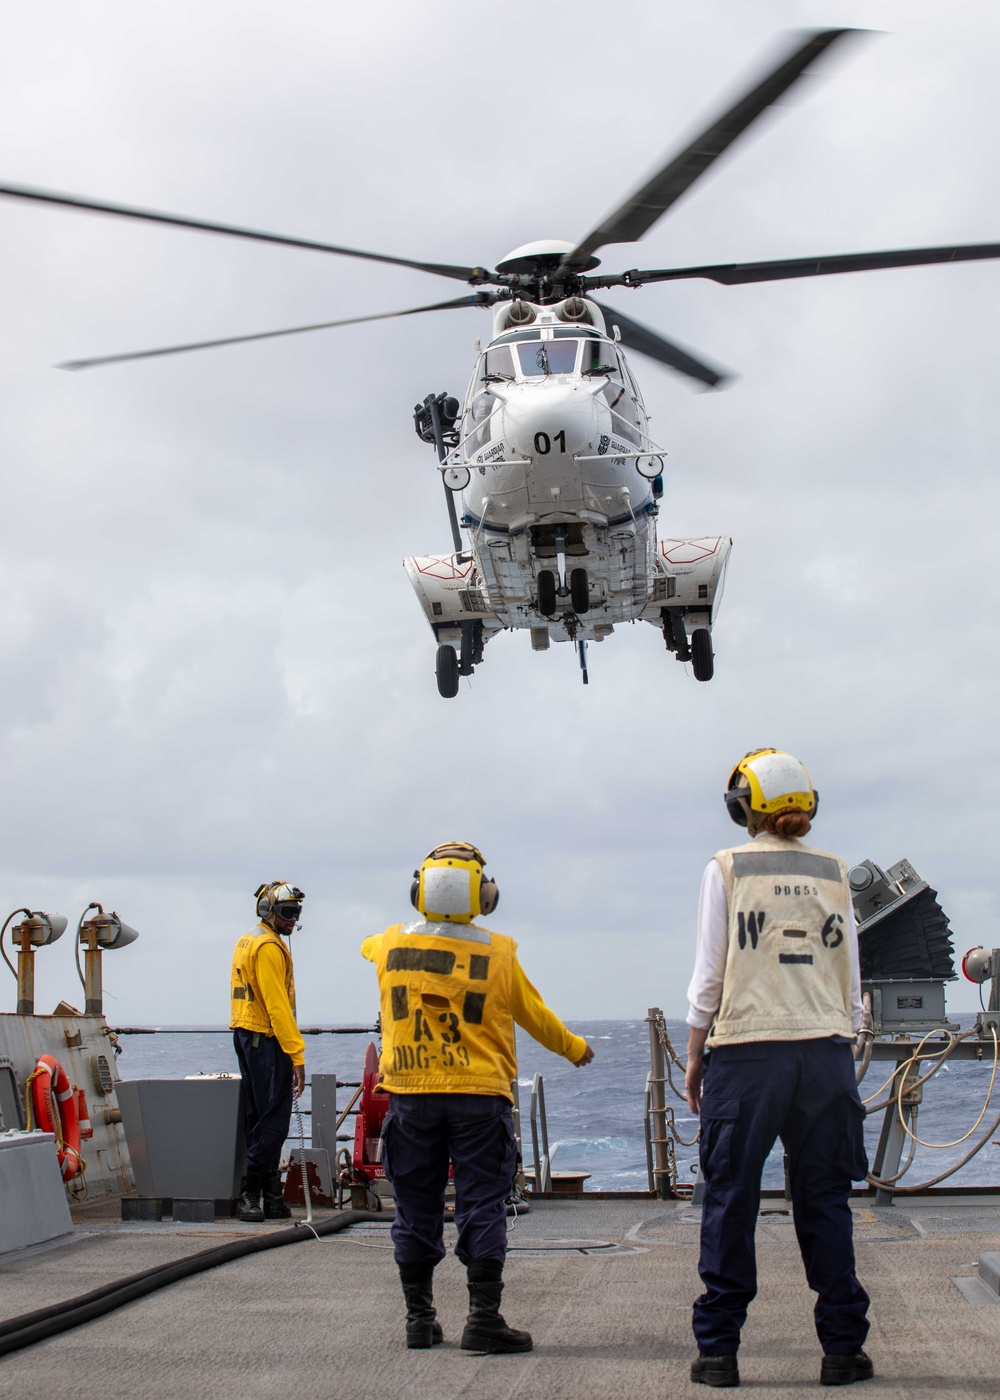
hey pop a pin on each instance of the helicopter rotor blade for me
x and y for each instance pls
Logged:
(734, 274)
(473, 275)
(640, 212)
(657, 347)
(476, 299)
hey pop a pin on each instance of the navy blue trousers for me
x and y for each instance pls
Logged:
(803, 1092)
(475, 1132)
(267, 1098)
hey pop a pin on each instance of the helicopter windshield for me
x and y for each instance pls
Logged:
(540, 357)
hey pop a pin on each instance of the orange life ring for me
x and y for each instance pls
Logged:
(54, 1104)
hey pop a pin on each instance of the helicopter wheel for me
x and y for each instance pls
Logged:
(447, 671)
(546, 592)
(702, 655)
(579, 591)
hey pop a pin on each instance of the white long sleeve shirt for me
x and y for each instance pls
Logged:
(712, 948)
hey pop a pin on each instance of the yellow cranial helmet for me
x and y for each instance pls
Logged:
(450, 886)
(769, 780)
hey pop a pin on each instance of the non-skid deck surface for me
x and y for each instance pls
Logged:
(604, 1286)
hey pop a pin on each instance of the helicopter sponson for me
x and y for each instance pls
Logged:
(559, 483)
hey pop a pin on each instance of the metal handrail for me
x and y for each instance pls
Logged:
(540, 1129)
(227, 1030)
(647, 1130)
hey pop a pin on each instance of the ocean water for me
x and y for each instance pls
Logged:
(595, 1114)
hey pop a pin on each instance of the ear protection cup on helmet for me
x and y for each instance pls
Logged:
(415, 890)
(489, 895)
(275, 892)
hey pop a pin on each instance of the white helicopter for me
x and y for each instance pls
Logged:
(551, 456)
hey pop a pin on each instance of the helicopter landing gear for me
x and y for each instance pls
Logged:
(454, 663)
(547, 602)
(698, 651)
(674, 633)
(472, 647)
(447, 671)
(579, 591)
(702, 655)
(560, 537)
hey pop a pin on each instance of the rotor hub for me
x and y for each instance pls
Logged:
(542, 258)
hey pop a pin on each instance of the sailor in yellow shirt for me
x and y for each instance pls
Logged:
(269, 1048)
(451, 992)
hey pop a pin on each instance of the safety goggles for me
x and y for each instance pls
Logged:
(288, 911)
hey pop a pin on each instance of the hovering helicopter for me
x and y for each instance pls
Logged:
(550, 453)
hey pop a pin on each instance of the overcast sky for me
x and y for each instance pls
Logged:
(214, 671)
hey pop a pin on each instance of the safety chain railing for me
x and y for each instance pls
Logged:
(659, 1120)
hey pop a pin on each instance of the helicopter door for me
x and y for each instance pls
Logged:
(625, 415)
(495, 367)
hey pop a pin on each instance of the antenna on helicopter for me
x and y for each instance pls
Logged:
(581, 651)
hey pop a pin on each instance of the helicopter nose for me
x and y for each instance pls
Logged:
(540, 419)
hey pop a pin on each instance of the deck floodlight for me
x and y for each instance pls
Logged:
(110, 929)
(39, 928)
(99, 934)
(977, 965)
(34, 931)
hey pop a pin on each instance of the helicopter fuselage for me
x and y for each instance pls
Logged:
(552, 428)
(559, 483)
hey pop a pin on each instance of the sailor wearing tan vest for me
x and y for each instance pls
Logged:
(775, 1003)
(451, 992)
(269, 1048)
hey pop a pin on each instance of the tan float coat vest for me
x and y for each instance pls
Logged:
(788, 969)
(447, 1025)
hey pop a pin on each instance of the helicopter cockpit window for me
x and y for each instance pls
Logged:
(599, 357)
(498, 364)
(541, 357)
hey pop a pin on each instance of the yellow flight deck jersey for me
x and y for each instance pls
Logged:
(450, 995)
(263, 991)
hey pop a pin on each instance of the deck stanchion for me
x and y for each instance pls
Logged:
(658, 1106)
(540, 1130)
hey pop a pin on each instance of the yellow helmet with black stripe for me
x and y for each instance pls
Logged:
(768, 781)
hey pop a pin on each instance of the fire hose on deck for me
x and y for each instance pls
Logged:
(37, 1326)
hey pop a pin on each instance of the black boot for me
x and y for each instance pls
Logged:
(274, 1198)
(422, 1326)
(485, 1329)
(845, 1370)
(248, 1205)
(715, 1370)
